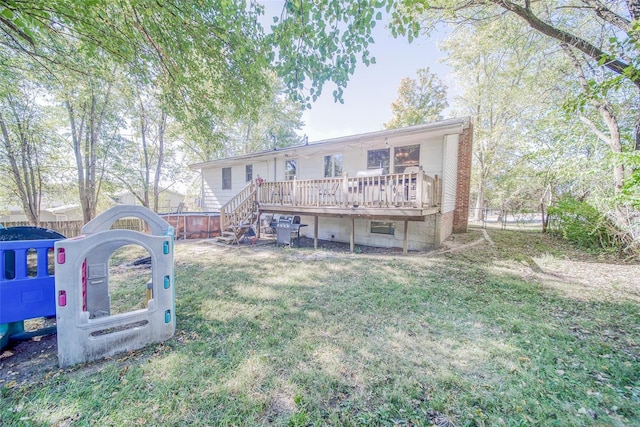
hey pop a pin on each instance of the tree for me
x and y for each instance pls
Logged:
(618, 52)
(495, 67)
(599, 38)
(316, 42)
(420, 100)
(94, 122)
(25, 142)
(274, 126)
(145, 163)
(527, 144)
(206, 52)
(210, 62)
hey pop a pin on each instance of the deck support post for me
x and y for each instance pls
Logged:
(258, 225)
(353, 234)
(405, 243)
(315, 232)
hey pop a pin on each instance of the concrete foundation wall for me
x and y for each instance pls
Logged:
(423, 235)
(445, 227)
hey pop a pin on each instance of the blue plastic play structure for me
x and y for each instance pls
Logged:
(78, 294)
(26, 291)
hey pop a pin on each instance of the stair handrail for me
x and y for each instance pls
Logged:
(240, 208)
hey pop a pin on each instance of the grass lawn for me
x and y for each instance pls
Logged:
(528, 331)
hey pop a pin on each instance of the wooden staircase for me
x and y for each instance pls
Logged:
(239, 215)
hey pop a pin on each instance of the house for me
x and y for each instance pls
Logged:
(168, 200)
(62, 213)
(59, 213)
(406, 188)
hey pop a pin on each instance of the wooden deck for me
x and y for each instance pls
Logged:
(407, 195)
(395, 197)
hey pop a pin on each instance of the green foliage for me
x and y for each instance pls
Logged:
(200, 54)
(630, 193)
(320, 41)
(515, 84)
(420, 100)
(30, 148)
(275, 124)
(582, 224)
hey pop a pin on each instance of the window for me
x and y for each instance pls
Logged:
(404, 157)
(290, 169)
(333, 165)
(377, 159)
(226, 178)
(382, 227)
(248, 172)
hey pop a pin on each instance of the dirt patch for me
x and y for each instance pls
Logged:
(331, 246)
(29, 360)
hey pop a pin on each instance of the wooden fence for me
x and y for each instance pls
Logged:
(73, 228)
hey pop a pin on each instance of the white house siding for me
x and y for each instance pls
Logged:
(431, 156)
(211, 196)
(450, 176)
(214, 197)
(310, 160)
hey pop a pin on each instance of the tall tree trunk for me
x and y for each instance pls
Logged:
(145, 155)
(156, 179)
(479, 211)
(634, 11)
(77, 131)
(86, 131)
(636, 129)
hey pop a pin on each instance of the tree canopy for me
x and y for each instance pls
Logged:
(203, 53)
(420, 100)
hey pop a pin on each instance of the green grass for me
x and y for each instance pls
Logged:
(509, 335)
(127, 282)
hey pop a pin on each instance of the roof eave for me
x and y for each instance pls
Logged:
(457, 124)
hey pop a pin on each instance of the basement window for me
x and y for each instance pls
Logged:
(383, 227)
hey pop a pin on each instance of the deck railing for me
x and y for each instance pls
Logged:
(240, 209)
(381, 191)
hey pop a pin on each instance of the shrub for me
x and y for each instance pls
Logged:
(583, 225)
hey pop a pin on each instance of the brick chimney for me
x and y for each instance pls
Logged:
(465, 153)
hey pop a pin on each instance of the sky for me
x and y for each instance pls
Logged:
(371, 90)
